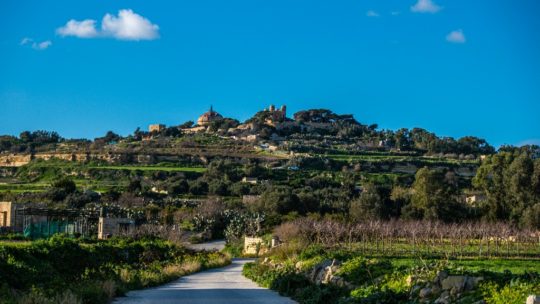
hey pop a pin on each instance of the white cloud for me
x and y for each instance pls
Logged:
(127, 25)
(41, 45)
(36, 45)
(372, 13)
(425, 6)
(456, 36)
(26, 40)
(81, 29)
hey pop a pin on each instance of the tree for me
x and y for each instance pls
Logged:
(65, 184)
(25, 136)
(474, 145)
(178, 187)
(401, 138)
(112, 137)
(400, 197)
(218, 187)
(240, 188)
(134, 186)
(370, 205)
(198, 187)
(278, 200)
(518, 185)
(510, 180)
(531, 217)
(60, 189)
(186, 125)
(138, 134)
(434, 194)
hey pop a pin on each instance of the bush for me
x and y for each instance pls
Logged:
(287, 282)
(361, 270)
(93, 271)
(513, 293)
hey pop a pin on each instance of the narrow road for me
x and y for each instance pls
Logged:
(224, 285)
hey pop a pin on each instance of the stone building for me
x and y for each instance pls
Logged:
(250, 180)
(209, 117)
(253, 245)
(156, 128)
(276, 116)
(8, 216)
(108, 227)
(475, 199)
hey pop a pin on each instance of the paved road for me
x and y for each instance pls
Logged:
(224, 285)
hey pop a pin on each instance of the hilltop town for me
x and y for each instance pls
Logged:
(316, 131)
(297, 189)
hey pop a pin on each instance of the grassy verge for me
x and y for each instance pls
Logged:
(63, 270)
(389, 279)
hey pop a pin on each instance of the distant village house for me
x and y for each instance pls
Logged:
(156, 128)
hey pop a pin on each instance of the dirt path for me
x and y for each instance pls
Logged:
(224, 285)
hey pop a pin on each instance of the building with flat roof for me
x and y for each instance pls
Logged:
(108, 227)
(156, 128)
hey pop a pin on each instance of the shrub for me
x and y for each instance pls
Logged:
(288, 283)
(513, 293)
(62, 269)
(360, 270)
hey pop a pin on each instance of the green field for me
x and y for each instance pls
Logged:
(395, 158)
(516, 266)
(152, 168)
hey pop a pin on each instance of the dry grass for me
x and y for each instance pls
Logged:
(191, 266)
(150, 278)
(173, 270)
(126, 276)
(109, 287)
(219, 261)
(67, 297)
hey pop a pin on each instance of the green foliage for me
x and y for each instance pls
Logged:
(389, 280)
(289, 283)
(278, 200)
(370, 205)
(360, 270)
(513, 293)
(374, 294)
(240, 224)
(434, 196)
(94, 271)
(234, 249)
(511, 183)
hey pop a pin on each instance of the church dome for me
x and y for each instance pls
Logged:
(208, 117)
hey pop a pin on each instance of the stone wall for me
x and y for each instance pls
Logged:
(6, 213)
(8, 216)
(108, 227)
(15, 160)
(253, 245)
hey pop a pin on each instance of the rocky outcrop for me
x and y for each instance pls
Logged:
(325, 273)
(14, 160)
(444, 288)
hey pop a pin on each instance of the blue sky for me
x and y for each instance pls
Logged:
(453, 67)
